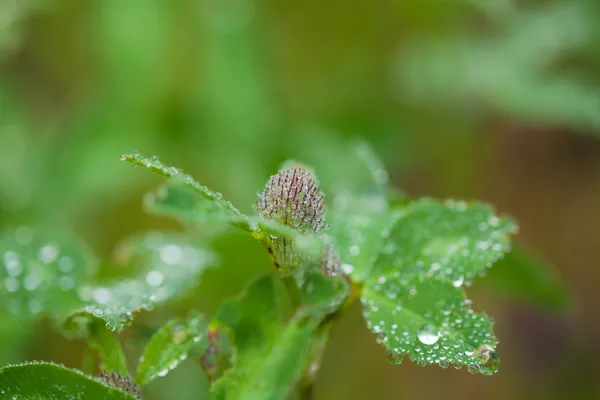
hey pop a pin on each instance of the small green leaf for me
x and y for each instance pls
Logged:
(525, 276)
(156, 166)
(47, 381)
(169, 346)
(219, 353)
(176, 199)
(269, 357)
(253, 315)
(102, 341)
(358, 227)
(172, 266)
(451, 241)
(40, 272)
(428, 320)
(321, 295)
(271, 370)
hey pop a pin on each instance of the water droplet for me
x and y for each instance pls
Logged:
(163, 372)
(12, 263)
(347, 268)
(66, 283)
(458, 282)
(354, 250)
(490, 361)
(65, 264)
(35, 306)
(31, 282)
(428, 334)
(171, 254)
(155, 278)
(11, 284)
(102, 295)
(48, 253)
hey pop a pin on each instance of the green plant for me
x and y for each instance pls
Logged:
(406, 261)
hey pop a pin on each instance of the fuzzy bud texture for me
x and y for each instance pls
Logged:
(116, 380)
(292, 197)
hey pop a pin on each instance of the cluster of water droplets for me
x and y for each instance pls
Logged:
(172, 267)
(429, 321)
(40, 274)
(154, 164)
(170, 346)
(359, 225)
(453, 241)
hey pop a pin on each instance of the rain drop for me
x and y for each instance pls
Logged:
(428, 334)
(171, 254)
(458, 282)
(48, 253)
(31, 282)
(155, 278)
(65, 264)
(102, 295)
(354, 250)
(11, 284)
(12, 263)
(35, 306)
(347, 268)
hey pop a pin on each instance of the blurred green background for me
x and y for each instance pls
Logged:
(490, 99)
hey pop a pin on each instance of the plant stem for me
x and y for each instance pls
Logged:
(307, 392)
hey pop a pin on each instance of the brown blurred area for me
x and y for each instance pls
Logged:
(478, 100)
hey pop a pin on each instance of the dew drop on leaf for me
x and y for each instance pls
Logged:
(428, 334)
(155, 278)
(458, 282)
(48, 253)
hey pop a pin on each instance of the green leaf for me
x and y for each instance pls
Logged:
(156, 166)
(321, 294)
(219, 353)
(252, 316)
(178, 200)
(172, 265)
(358, 228)
(269, 357)
(451, 241)
(169, 346)
(525, 276)
(269, 371)
(40, 272)
(47, 381)
(428, 320)
(342, 166)
(100, 340)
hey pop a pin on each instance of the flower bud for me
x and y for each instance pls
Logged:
(292, 197)
(117, 380)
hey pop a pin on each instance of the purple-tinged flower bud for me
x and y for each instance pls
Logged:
(116, 380)
(293, 198)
